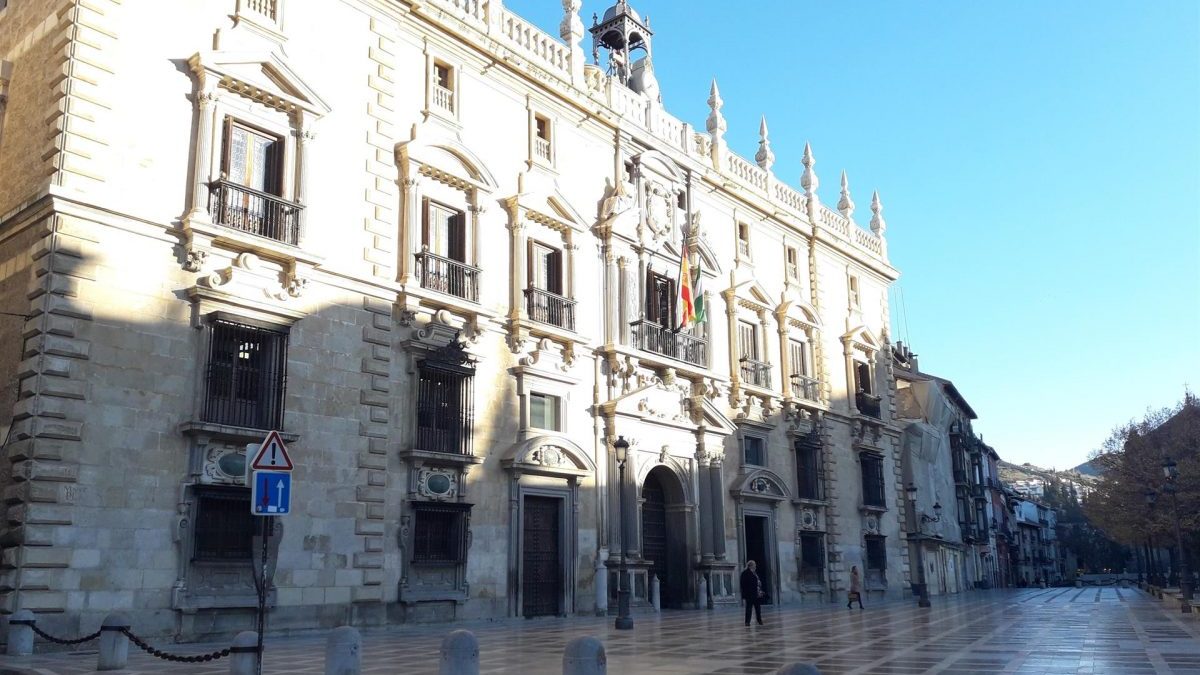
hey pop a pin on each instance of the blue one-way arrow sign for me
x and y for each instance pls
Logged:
(271, 494)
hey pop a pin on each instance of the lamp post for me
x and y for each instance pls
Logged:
(624, 620)
(1151, 498)
(919, 519)
(1171, 472)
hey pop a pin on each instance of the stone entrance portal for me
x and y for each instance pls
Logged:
(664, 535)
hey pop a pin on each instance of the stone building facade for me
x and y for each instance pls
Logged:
(439, 250)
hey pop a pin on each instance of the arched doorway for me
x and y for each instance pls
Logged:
(664, 535)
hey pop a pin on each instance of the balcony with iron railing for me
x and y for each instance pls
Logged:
(683, 346)
(443, 98)
(756, 373)
(805, 387)
(453, 277)
(255, 212)
(960, 476)
(550, 308)
(867, 404)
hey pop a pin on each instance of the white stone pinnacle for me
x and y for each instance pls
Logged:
(764, 156)
(878, 224)
(809, 180)
(846, 204)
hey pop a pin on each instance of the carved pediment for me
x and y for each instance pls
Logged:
(265, 77)
(548, 455)
(761, 484)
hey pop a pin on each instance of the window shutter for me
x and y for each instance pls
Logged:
(458, 237)
(555, 272)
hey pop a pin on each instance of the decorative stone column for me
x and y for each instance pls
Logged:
(718, 506)
(706, 500)
(206, 100)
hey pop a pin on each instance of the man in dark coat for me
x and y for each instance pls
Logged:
(752, 592)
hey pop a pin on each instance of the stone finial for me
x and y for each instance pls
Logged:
(846, 204)
(716, 121)
(809, 180)
(571, 31)
(878, 224)
(764, 156)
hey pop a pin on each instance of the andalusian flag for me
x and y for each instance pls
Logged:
(685, 310)
(699, 306)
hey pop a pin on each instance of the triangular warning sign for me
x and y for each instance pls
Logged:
(272, 455)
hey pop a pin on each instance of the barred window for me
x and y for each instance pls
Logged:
(445, 401)
(224, 526)
(812, 558)
(244, 386)
(872, 480)
(439, 533)
(810, 468)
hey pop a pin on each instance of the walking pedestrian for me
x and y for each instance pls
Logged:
(855, 589)
(752, 592)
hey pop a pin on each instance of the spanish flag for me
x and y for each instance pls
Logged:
(685, 308)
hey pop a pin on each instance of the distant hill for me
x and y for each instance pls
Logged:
(1090, 468)
(1084, 474)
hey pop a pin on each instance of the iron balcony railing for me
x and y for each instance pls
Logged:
(805, 387)
(453, 277)
(960, 476)
(255, 212)
(652, 337)
(757, 373)
(979, 490)
(550, 308)
(867, 404)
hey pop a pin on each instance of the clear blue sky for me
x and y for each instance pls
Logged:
(1039, 165)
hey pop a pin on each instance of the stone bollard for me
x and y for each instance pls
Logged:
(655, 593)
(460, 654)
(343, 652)
(243, 653)
(798, 669)
(20, 633)
(114, 643)
(585, 656)
(1078, 583)
(703, 593)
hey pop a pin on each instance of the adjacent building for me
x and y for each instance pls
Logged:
(443, 253)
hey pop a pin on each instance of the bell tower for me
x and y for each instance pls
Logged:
(622, 31)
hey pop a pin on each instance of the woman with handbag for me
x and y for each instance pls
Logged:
(855, 589)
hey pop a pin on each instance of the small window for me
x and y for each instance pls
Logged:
(244, 383)
(743, 230)
(876, 559)
(793, 263)
(224, 526)
(854, 296)
(872, 480)
(443, 86)
(754, 450)
(542, 147)
(812, 558)
(439, 533)
(544, 412)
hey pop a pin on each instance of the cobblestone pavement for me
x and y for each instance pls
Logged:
(1057, 630)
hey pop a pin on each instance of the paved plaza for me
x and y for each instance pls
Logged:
(1058, 630)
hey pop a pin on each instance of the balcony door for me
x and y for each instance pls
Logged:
(445, 232)
(660, 300)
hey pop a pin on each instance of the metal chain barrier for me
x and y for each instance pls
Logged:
(50, 638)
(198, 658)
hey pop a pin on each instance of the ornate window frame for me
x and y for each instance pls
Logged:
(260, 89)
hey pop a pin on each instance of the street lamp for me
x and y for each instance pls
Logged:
(919, 520)
(624, 620)
(1152, 574)
(1171, 472)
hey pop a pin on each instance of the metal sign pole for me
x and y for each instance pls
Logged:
(262, 595)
